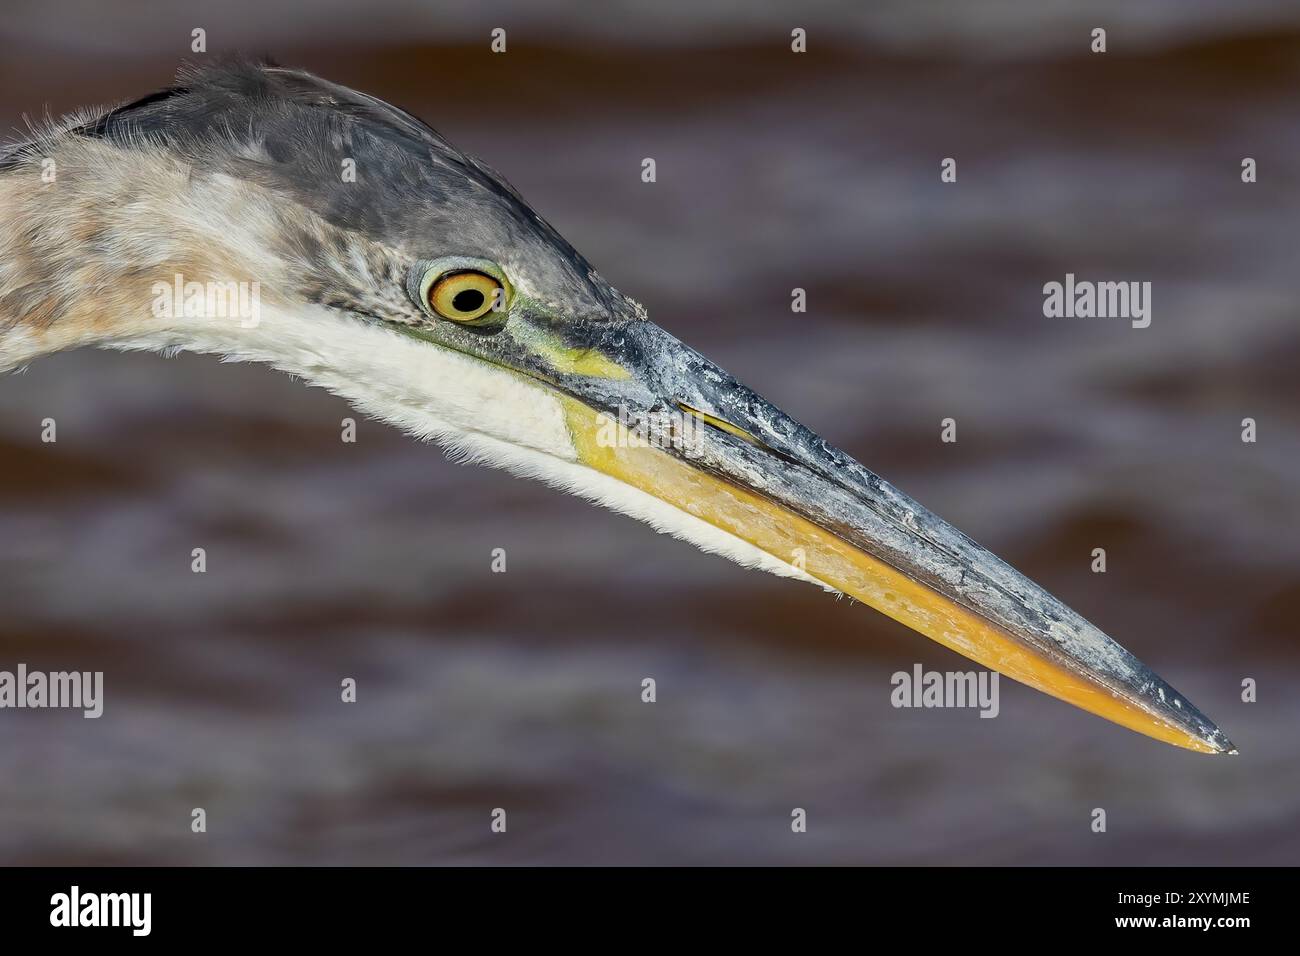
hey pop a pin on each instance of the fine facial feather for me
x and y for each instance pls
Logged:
(133, 203)
(479, 413)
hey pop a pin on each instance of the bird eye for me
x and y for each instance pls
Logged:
(464, 296)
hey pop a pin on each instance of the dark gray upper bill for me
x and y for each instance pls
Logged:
(799, 470)
(804, 473)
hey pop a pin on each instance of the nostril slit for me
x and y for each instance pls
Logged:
(720, 424)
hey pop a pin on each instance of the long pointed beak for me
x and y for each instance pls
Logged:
(755, 473)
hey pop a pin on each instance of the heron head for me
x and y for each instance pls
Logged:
(414, 280)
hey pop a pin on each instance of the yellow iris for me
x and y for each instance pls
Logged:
(464, 296)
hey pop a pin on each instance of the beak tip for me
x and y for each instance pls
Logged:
(1221, 744)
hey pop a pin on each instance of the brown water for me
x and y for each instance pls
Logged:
(480, 690)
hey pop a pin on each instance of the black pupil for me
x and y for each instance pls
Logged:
(468, 300)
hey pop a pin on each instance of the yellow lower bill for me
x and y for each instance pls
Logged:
(826, 557)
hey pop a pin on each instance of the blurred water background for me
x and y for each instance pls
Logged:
(522, 691)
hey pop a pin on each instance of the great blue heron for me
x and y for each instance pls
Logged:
(411, 279)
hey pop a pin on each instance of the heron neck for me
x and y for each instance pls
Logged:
(90, 234)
